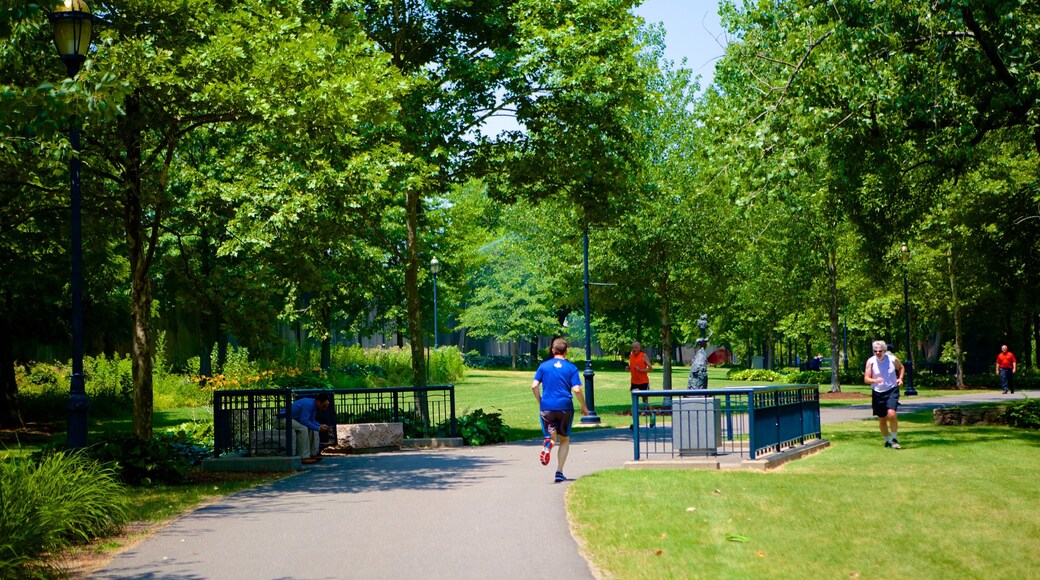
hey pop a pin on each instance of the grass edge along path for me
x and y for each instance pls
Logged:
(955, 502)
(152, 509)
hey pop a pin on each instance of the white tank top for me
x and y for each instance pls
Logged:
(884, 368)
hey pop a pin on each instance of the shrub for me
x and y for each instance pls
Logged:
(163, 459)
(46, 505)
(1024, 414)
(753, 375)
(807, 378)
(480, 428)
(303, 381)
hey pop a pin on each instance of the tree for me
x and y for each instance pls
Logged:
(198, 65)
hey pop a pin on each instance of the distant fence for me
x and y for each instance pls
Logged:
(250, 421)
(748, 421)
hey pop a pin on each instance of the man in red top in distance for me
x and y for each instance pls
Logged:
(1006, 367)
(639, 365)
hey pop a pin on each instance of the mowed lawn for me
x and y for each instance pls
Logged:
(956, 502)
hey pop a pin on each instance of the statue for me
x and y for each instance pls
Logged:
(699, 364)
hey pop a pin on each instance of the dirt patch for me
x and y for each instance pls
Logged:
(836, 396)
(30, 433)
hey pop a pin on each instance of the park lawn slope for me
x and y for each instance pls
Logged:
(955, 502)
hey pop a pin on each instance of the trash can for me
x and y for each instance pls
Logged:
(696, 426)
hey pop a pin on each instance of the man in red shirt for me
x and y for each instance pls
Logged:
(1006, 367)
(639, 365)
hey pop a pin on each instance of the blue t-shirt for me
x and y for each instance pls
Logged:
(557, 376)
(305, 411)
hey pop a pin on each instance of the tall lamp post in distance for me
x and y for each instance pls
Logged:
(904, 255)
(72, 28)
(435, 267)
(590, 376)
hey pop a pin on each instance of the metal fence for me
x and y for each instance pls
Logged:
(747, 421)
(252, 421)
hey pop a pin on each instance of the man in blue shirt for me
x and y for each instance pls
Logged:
(306, 428)
(558, 378)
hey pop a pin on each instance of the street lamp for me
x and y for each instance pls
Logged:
(904, 252)
(72, 27)
(435, 267)
(590, 394)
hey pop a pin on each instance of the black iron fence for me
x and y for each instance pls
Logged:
(252, 421)
(748, 421)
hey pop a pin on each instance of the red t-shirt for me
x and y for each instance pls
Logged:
(1006, 360)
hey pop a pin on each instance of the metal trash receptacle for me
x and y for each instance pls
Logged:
(696, 426)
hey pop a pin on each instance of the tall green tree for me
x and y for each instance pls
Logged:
(204, 64)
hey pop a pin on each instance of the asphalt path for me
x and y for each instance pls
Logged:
(452, 514)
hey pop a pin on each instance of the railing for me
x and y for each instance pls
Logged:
(251, 421)
(747, 421)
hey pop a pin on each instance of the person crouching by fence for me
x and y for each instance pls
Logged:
(306, 429)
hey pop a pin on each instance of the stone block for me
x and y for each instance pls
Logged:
(367, 436)
(267, 442)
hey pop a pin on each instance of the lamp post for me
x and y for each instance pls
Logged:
(590, 376)
(435, 267)
(910, 391)
(72, 28)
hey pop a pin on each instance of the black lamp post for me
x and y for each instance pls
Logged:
(590, 376)
(72, 28)
(435, 267)
(910, 391)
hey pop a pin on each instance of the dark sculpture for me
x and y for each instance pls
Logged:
(699, 365)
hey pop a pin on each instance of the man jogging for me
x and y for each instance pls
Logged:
(884, 374)
(558, 379)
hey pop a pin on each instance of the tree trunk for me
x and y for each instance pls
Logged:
(411, 284)
(513, 347)
(956, 321)
(326, 340)
(1036, 337)
(832, 274)
(140, 255)
(666, 344)
(9, 416)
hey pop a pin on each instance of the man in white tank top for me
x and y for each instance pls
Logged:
(884, 374)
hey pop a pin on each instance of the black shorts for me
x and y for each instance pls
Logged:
(639, 387)
(557, 422)
(883, 402)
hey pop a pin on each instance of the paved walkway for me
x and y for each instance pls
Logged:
(452, 514)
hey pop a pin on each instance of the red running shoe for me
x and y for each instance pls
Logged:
(547, 446)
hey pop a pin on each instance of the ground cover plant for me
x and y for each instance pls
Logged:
(954, 502)
(48, 505)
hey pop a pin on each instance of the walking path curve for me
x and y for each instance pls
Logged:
(442, 514)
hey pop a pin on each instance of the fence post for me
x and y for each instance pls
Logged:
(451, 391)
(287, 401)
(635, 426)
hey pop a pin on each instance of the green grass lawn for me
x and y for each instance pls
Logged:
(509, 392)
(956, 502)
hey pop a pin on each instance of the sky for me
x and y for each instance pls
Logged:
(692, 30)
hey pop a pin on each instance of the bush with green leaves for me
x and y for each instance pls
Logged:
(1024, 414)
(807, 378)
(480, 428)
(303, 381)
(764, 375)
(62, 499)
(165, 458)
